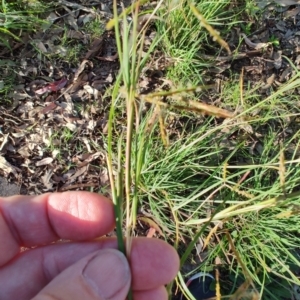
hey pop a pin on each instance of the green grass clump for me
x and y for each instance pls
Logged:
(234, 183)
(19, 16)
(198, 177)
(184, 39)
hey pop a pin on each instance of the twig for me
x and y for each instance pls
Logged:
(76, 186)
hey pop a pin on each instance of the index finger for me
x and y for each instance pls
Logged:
(38, 220)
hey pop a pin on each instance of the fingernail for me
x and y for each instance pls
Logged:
(108, 273)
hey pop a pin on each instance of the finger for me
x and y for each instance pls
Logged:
(37, 220)
(153, 263)
(159, 293)
(104, 274)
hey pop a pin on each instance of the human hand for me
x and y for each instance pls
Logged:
(80, 268)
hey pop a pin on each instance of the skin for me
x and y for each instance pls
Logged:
(49, 269)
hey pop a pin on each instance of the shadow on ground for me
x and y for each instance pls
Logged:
(9, 189)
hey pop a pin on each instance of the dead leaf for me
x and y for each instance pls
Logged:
(99, 84)
(277, 56)
(104, 178)
(7, 168)
(52, 87)
(45, 179)
(89, 159)
(19, 95)
(52, 17)
(44, 161)
(81, 68)
(87, 144)
(199, 245)
(78, 6)
(59, 49)
(55, 152)
(26, 107)
(108, 58)
(86, 18)
(95, 47)
(48, 108)
(92, 124)
(72, 22)
(255, 46)
(18, 134)
(40, 45)
(24, 151)
(4, 141)
(91, 91)
(78, 173)
(71, 126)
(73, 34)
(270, 81)
(292, 12)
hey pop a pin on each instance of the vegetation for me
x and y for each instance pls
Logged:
(220, 180)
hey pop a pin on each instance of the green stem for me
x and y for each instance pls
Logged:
(130, 116)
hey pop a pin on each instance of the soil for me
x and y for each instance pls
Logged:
(10, 189)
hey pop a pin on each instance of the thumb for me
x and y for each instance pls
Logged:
(102, 275)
